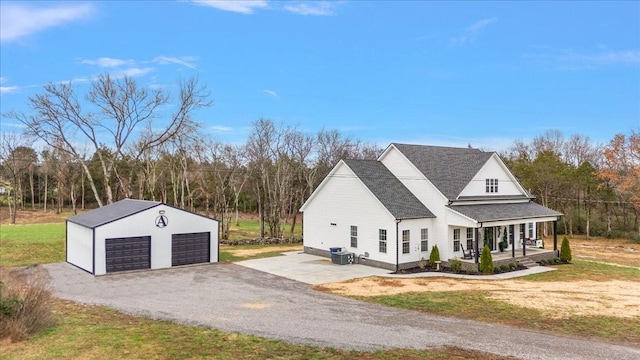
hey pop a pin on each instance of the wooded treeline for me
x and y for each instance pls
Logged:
(118, 140)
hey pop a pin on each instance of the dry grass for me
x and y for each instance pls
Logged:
(26, 303)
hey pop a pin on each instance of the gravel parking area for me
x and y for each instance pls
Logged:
(233, 298)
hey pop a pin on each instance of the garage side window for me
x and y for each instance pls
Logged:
(354, 236)
(405, 241)
(382, 240)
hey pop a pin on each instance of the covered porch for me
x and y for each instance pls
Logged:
(509, 230)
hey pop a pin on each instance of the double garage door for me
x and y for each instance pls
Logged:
(134, 253)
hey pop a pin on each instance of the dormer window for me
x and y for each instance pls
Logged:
(491, 185)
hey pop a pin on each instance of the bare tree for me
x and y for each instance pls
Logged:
(121, 108)
(16, 158)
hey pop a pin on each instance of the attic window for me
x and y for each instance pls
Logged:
(491, 185)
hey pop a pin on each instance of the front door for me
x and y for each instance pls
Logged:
(489, 237)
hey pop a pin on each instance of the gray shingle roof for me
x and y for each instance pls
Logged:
(449, 169)
(106, 214)
(400, 202)
(513, 211)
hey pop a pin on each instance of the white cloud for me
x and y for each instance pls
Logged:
(221, 129)
(472, 32)
(135, 71)
(186, 61)
(239, 6)
(107, 62)
(271, 93)
(312, 8)
(6, 89)
(568, 59)
(20, 20)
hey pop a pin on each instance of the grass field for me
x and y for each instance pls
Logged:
(22, 245)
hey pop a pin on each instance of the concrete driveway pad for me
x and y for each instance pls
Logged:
(310, 269)
(235, 298)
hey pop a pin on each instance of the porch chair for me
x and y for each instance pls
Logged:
(466, 254)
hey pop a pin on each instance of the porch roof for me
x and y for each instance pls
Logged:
(504, 211)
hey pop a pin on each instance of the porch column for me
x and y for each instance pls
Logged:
(513, 241)
(475, 244)
(555, 235)
(524, 242)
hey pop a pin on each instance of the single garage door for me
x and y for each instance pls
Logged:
(131, 253)
(190, 248)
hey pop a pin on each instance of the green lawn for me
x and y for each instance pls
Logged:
(22, 245)
(250, 229)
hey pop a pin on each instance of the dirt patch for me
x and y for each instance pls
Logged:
(252, 252)
(256, 305)
(614, 251)
(34, 216)
(560, 299)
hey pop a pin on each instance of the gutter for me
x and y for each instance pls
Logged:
(398, 221)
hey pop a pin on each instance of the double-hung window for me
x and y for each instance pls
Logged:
(424, 240)
(382, 240)
(405, 241)
(530, 230)
(354, 236)
(469, 238)
(456, 239)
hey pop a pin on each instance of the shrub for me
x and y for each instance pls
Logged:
(25, 303)
(557, 260)
(513, 266)
(455, 265)
(422, 263)
(565, 250)
(504, 268)
(435, 255)
(543, 262)
(471, 272)
(486, 261)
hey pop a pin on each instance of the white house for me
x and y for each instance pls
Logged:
(391, 211)
(138, 234)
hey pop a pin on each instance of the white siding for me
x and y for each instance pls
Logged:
(425, 191)
(80, 246)
(143, 224)
(342, 201)
(414, 226)
(493, 169)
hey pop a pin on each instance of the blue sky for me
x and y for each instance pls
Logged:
(442, 73)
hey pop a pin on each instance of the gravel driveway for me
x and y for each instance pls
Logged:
(237, 299)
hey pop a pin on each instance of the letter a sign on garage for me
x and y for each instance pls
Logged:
(162, 221)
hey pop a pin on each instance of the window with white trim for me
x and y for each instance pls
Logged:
(405, 241)
(382, 240)
(354, 236)
(469, 238)
(530, 230)
(491, 185)
(456, 239)
(424, 240)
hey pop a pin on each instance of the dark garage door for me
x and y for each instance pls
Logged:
(190, 248)
(131, 253)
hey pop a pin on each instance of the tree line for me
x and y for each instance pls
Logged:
(120, 140)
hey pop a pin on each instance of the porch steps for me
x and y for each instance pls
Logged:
(528, 263)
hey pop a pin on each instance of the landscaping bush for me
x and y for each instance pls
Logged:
(25, 303)
(565, 250)
(486, 261)
(543, 262)
(513, 266)
(434, 256)
(471, 272)
(504, 268)
(455, 265)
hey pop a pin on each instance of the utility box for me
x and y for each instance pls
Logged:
(342, 258)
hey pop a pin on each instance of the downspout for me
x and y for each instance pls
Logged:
(397, 245)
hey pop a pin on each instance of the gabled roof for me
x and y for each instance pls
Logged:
(449, 169)
(505, 211)
(106, 214)
(393, 195)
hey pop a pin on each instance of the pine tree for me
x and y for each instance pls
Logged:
(434, 256)
(565, 250)
(486, 261)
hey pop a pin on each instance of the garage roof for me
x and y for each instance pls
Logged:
(106, 214)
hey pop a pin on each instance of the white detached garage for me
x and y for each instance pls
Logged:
(138, 234)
